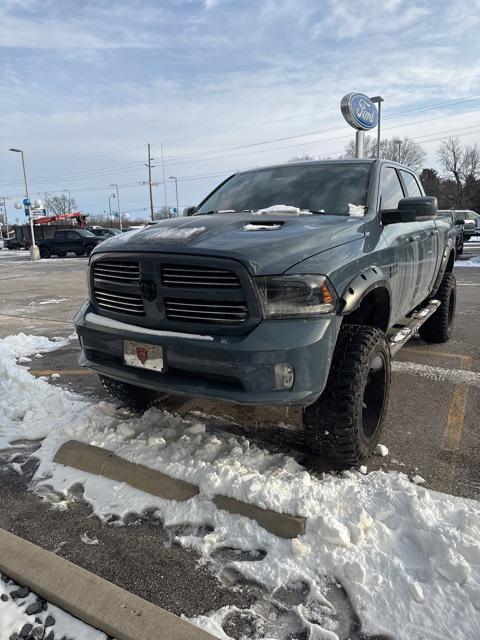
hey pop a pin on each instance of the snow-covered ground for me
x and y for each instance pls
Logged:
(474, 261)
(22, 611)
(408, 557)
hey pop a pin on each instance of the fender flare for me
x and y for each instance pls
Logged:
(449, 247)
(365, 282)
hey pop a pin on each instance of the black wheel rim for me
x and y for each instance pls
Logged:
(374, 395)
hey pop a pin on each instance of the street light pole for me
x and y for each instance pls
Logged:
(34, 253)
(118, 205)
(176, 192)
(110, 207)
(378, 101)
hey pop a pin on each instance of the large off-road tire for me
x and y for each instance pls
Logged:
(135, 397)
(460, 250)
(439, 327)
(45, 253)
(344, 425)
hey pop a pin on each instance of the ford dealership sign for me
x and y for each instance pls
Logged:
(359, 111)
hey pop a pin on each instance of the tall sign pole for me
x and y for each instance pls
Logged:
(34, 253)
(361, 114)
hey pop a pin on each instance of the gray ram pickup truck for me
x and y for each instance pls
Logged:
(287, 285)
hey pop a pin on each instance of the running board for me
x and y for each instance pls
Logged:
(401, 336)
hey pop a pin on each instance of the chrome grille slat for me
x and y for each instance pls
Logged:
(106, 276)
(201, 277)
(220, 312)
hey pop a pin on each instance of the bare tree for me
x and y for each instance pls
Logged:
(60, 204)
(164, 213)
(462, 163)
(304, 157)
(404, 150)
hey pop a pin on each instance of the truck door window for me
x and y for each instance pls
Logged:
(411, 184)
(390, 189)
(60, 236)
(72, 235)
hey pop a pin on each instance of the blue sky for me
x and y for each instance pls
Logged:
(84, 85)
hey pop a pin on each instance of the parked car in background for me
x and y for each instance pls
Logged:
(103, 232)
(458, 222)
(78, 241)
(472, 222)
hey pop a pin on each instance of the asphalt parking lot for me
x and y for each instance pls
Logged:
(431, 431)
(432, 426)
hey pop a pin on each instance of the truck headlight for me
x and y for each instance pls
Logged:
(297, 296)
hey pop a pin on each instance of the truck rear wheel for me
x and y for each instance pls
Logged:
(438, 328)
(133, 396)
(344, 425)
(45, 252)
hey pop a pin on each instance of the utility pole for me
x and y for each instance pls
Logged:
(164, 182)
(110, 208)
(5, 213)
(399, 149)
(149, 165)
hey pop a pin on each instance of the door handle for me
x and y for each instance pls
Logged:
(413, 238)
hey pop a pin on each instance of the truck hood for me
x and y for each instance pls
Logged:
(266, 244)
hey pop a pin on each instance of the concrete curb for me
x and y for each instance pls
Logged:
(96, 601)
(87, 457)
(283, 525)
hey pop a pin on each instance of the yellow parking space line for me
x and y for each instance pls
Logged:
(63, 372)
(452, 437)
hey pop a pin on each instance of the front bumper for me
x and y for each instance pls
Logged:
(237, 369)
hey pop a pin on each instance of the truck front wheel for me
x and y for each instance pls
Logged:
(438, 328)
(344, 425)
(135, 397)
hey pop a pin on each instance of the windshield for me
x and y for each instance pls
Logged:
(328, 188)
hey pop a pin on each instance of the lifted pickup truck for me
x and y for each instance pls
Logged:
(291, 284)
(78, 241)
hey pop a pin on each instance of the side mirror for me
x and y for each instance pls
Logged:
(416, 209)
(189, 211)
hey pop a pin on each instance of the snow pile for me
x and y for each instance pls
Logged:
(262, 227)
(283, 209)
(13, 618)
(409, 558)
(472, 262)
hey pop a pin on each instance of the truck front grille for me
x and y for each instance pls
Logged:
(114, 271)
(126, 303)
(196, 277)
(200, 311)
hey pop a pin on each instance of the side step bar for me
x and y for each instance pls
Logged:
(401, 336)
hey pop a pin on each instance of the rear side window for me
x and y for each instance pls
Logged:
(411, 184)
(61, 235)
(390, 189)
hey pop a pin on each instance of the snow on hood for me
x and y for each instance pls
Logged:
(409, 558)
(282, 209)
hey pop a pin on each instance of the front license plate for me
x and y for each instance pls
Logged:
(143, 355)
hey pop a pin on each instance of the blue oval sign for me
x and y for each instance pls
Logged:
(359, 111)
